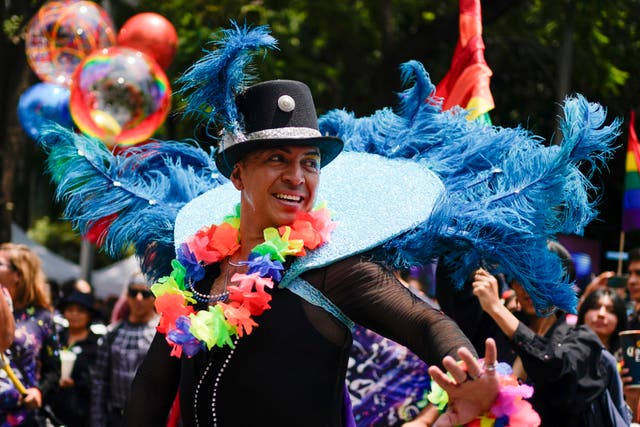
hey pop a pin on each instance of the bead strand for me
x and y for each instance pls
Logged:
(204, 297)
(216, 383)
(195, 395)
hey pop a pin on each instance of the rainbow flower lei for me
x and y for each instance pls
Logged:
(188, 330)
(509, 409)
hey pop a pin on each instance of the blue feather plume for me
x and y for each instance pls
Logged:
(506, 192)
(213, 81)
(143, 188)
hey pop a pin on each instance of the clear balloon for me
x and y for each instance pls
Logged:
(120, 96)
(152, 34)
(62, 33)
(42, 103)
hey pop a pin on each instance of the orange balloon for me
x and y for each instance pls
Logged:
(152, 34)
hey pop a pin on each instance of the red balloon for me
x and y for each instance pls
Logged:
(152, 34)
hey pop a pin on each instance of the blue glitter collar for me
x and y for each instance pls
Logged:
(375, 199)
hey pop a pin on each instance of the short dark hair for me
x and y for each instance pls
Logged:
(565, 259)
(634, 255)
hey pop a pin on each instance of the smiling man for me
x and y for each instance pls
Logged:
(289, 371)
(275, 185)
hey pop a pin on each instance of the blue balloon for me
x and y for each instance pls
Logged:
(41, 103)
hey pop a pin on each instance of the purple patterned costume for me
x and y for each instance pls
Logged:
(386, 381)
(34, 358)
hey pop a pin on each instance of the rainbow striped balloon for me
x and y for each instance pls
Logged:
(120, 96)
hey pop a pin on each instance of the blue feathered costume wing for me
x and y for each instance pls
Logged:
(505, 192)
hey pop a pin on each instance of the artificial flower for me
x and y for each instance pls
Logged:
(276, 245)
(240, 317)
(508, 397)
(181, 339)
(322, 223)
(256, 301)
(164, 285)
(250, 281)
(171, 306)
(210, 326)
(437, 396)
(189, 261)
(233, 219)
(264, 266)
(214, 243)
(524, 415)
(302, 230)
(178, 273)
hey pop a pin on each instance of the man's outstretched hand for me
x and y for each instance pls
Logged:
(471, 392)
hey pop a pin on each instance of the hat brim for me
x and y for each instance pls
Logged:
(65, 303)
(329, 147)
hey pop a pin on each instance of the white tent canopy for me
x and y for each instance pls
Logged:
(106, 281)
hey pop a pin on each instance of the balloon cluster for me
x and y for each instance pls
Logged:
(111, 86)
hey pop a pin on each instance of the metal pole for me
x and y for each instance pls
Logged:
(86, 260)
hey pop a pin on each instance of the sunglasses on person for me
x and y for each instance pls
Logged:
(133, 293)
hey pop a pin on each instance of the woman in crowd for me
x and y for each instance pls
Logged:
(604, 312)
(7, 328)
(34, 354)
(71, 402)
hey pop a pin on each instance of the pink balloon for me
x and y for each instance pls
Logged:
(152, 34)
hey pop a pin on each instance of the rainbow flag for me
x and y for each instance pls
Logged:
(467, 82)
(631, 199)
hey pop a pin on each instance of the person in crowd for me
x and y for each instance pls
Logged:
(34, 354)
(82, 286)
(463, 307)
(7, 329)
(575, 378)
(120, 353)
(71, 402)
(604, 311)
(417, 280)
(601, 281)
(79, 285)
(633, 286)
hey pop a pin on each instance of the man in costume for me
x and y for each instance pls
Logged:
(299, 351)
(258, 303)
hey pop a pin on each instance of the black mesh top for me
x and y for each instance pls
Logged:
(290, 371)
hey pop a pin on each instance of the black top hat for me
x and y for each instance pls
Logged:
(80, 298)
(275, 113)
